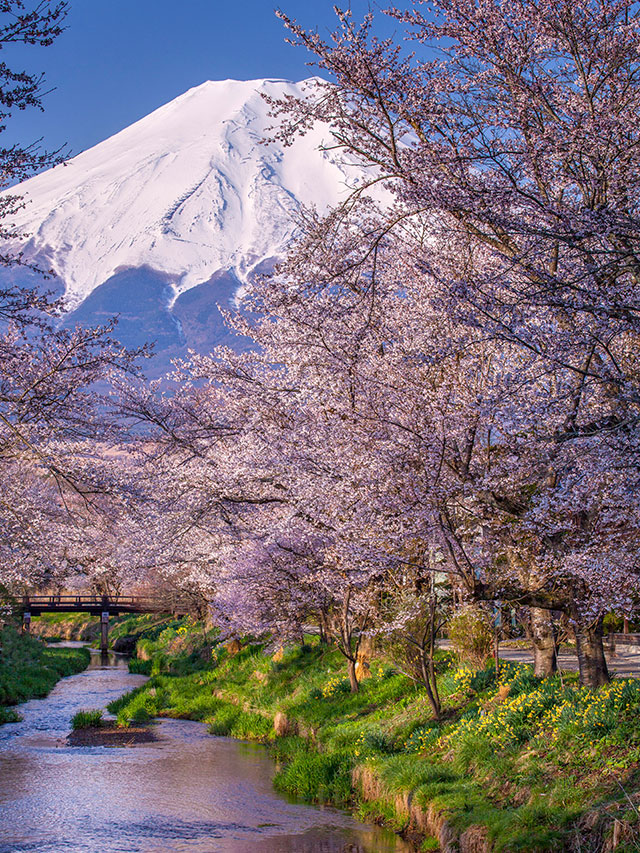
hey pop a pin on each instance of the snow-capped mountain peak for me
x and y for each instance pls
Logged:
(168, 219)
(189, 191)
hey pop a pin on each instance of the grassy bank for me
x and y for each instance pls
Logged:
(517, 763)
(124, 631)
(53, 627)
(29, 670)
(131, 633)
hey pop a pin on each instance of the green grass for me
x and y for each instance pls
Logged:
(86, 719)
(29, 670)
(318, 777)
(84, 626)
(530, 760)
(7, 715)
(148, 625)
(66, 626)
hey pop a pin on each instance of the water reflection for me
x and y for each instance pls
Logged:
(186, 792)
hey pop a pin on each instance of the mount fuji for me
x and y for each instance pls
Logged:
(170, 217)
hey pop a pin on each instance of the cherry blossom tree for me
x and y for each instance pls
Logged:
(514, 144)
(29, 23)
(455, 368)
(54, 425)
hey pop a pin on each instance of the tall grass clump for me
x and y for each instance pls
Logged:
(318, 777)
(7, 715)
(87, 719)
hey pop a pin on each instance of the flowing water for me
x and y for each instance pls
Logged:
(188, 792)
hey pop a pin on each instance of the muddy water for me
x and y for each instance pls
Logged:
(188, 791)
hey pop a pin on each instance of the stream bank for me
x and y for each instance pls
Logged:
(184, 793)
(30, 669)
(516, 763)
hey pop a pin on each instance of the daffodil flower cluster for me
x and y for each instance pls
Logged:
(463, 678)
(359, 746)
(550, 711)
(335, 685)
(593, 715)
(421, 739)
(511, 722)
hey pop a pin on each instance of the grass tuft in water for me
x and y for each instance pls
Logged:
(87, 720)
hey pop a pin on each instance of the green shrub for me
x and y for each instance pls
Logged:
(471, 633)
(9, 716)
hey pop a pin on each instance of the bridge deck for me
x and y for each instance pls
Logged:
(36, 605)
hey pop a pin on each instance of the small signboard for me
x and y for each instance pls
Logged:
(105, 616)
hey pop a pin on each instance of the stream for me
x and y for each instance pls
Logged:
(188, 791)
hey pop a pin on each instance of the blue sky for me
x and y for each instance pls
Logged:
(120, 59)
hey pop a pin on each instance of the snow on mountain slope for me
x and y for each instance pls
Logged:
(187, 193)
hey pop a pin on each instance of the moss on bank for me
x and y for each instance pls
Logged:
(29, 670)
(516, 764)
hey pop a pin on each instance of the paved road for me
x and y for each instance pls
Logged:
(625, 662)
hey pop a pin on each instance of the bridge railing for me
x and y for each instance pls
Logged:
(78, 602)
(93, 600)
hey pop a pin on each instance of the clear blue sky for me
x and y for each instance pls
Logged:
(120, 59)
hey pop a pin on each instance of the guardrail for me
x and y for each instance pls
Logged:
(623, 639)
(62, 603)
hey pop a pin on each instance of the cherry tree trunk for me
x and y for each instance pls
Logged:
(323, 624)
(430, 683)
(353, 680)
(544, 645)
(591, 660)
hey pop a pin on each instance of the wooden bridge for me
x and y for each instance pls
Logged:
(103, 606)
